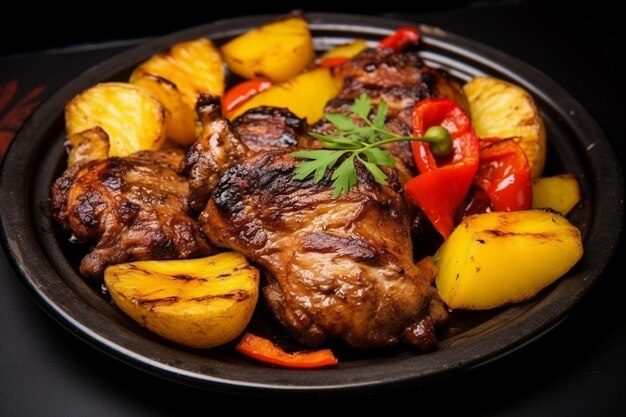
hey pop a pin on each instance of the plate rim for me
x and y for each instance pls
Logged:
(608, 170)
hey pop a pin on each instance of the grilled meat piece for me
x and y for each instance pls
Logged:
(217, 148)
(264, 128)
(133, 208)
(401, 79)
(221, 144)
(340, 268)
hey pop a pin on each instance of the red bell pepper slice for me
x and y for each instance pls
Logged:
(241, 92)
(264, 350)
(504, 174)
(401, 38)
(333, 62)
(443, 183)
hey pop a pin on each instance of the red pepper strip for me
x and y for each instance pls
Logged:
(241, 92)
(333, 62)
(442, 184)
(401, 38)
(265, 351)
(504, 174)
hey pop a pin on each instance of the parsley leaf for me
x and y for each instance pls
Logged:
(360, 143)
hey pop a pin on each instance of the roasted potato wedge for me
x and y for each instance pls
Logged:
(305, 95)
(189, 69)
(499, 258)
(88, 145)
(132, 118)
(199, 303)
(276, 51)
(181, 126)
(345, 51)
(560, 193)
(500, 109)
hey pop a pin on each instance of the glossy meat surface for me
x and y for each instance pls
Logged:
(130, 208)
(265, 128)
(339, 268)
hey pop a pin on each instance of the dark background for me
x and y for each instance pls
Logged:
(52, 25)
(578, 369)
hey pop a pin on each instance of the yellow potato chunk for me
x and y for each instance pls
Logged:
(560, 193)
(345, 51)
(199, 303)
(499, 258)
(277, 50)
(88, 145)
(131, 117)
(500, 109)
(305, 95)
(186, 69)
(181, 126)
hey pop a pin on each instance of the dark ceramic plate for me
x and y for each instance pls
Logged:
(47, 264)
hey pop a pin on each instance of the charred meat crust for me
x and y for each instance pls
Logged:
(264, 128)
(217, 149)
(339, 268)
(131, 208)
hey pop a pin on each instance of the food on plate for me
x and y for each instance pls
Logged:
(128, 208)
(501, 109)
(181, 123)
(337, 267)
(177, 77)
(454, 173)
(305, 95)
(493, 259)
(343, 51)
(398, 79)
(216, 149)
(131, 118)
(88, 145)
(277, 51)
(560, 193)
(504, 174)
(201, 303)
(242, 92)
(264, 128)
(265, 351)
(338, 178)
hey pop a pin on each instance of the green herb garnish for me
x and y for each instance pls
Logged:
(360, 142)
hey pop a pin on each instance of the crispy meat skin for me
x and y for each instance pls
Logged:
(214, 152)
(340, 268)
(221, 145)
(133, 208)
(264, 128)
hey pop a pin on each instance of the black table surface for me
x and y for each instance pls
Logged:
(579, 368)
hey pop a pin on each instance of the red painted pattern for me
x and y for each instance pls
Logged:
(14, 112)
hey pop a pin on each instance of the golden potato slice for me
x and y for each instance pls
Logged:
(499, 258)
(305, 95)
(345, 51)
(88, 145)
(560, 193)
(199, 303)
(181, 126)
(505, 110)
(277, 50)
(194, 67)
(131, 117)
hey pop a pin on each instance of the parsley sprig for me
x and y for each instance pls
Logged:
(363, 143)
